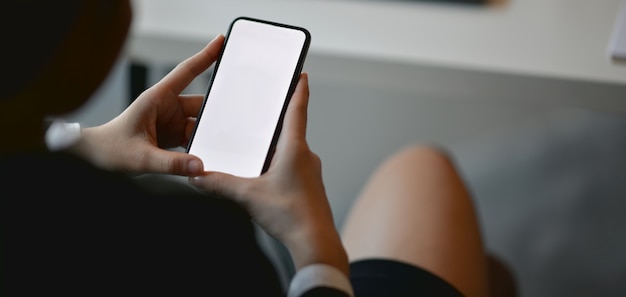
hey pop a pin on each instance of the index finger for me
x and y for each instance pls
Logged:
(186, 71)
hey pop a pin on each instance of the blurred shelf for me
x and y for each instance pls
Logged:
(556, 38)
(551, 40)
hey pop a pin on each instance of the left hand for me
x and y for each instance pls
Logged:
(161, 118)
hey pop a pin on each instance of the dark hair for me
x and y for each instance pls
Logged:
(31, 33)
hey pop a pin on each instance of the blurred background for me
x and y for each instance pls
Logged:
(524, 94)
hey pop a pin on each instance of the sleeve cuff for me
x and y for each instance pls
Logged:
(61, 135)
(319, 275)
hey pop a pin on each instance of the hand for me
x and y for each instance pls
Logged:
(289, 200)
(161, 118)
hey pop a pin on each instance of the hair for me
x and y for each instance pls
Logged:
(32, 31)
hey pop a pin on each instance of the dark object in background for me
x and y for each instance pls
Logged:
(138, 80)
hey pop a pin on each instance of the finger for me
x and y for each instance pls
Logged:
(222, 184)
(172, 162)
(296, 117)
(186, 71)
(191, 104)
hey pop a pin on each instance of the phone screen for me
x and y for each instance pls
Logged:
(249, 90)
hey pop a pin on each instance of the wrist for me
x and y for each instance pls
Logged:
(319, 246)
(82, 145)
(89, 146)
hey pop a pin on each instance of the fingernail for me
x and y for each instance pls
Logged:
(194, 167)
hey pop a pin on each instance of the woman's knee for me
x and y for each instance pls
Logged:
(424, 156)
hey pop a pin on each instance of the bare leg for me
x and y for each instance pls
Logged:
(416, 209)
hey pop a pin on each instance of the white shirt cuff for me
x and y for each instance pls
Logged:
(319, 275)
(61, 135)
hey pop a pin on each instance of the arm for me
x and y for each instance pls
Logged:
(289, 201)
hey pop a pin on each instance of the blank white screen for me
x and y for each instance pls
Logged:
(246, 97)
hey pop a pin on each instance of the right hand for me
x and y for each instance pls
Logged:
(289, 200)
(161, 118)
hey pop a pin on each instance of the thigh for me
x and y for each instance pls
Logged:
(416, 209)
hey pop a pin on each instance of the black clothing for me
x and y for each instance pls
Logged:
(70, 229)
(383, 277)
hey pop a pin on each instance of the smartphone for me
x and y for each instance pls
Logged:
(252, 82)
